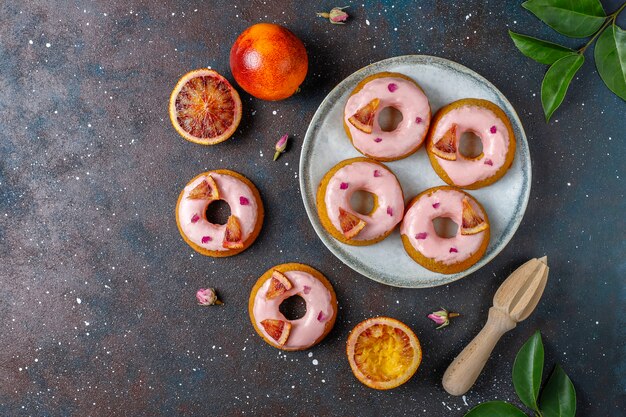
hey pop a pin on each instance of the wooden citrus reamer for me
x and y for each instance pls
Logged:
(514, 301)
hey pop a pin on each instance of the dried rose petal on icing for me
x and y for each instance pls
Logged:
(306, 289)
(378, 140)
(493, 129)
(195, 218)
(392, 87)
(244, 201)
(436, 205)
(488, 162)
(377, 173)
(321, 316)
(418, 120)
(453, 250)
(389, 211)
(421, 236)
(343, 186)
(206, 239)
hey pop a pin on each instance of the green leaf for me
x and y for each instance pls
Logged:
(610, 55)
(576, 19)
(557, 80)
(558, 398)
(527, 371)
(495, 409)
(541, 51)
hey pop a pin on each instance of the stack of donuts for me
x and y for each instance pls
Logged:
(442, 135)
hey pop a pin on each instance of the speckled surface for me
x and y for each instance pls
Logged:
(97, 312)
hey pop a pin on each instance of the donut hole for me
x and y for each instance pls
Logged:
(293, 307)
(389, 118)
(470, 145)
(218, 212)
(445, 227)
(363, 202)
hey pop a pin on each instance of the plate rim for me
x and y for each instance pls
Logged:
(329, 241)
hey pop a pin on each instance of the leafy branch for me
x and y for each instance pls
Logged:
(575, 19)
(557, 399)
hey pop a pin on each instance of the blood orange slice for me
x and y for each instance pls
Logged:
(277, 330)
(206, 190)
(472, 222)
(232, 237)
(383, 352)
(351, 225)
(445, 147)
(363, 119)
(204, 107)
(279, 284)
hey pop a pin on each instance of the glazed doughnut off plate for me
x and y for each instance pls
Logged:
(326, 144)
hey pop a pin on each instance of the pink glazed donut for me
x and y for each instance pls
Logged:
(336, 213)
(280, 283)
(369, 98)
(439, 254)
(244, 223)
(485, 120)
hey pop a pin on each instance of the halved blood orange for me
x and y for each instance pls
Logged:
(472, 222)
(204, 107)
(445, 147)
(351, 225)
(363, 119)
(383, 352)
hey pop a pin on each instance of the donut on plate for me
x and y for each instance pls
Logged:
(369, 98)
(485, 120)
(439, 254)
(335, 210)
(243, 225)
(284, 281)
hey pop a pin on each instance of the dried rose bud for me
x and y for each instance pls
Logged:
(336, 16)
(281, 145)
(442, 317)
(207, 297)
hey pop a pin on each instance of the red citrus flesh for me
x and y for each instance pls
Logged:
(351, 225)
(279, 284)
(445, 148)
(206, 190)
(232, 237)
(472, 222)
(363, 119)
(277, 330)
(204, 107)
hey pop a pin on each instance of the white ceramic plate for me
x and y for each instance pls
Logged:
(326, 143)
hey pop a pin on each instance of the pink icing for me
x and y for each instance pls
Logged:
(231, 190)
(409, 134)
(308, 328)
(418, 227)
(361, 176)
(494, 136)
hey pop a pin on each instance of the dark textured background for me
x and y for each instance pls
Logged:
(97, 306)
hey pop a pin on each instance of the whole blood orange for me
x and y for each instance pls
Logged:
(204, 107)
(383, 352)
(268, 61)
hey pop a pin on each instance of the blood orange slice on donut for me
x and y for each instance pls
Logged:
(351, 225)
(277, 330)
(233, 235)
(206, 190)
(363, 119)
(472, 222)
(279, 284)
(204, 107)
(383, 352)
(445, 147)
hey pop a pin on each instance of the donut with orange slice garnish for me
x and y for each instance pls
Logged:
(334, 204)
(446, 255)
(280, 283)
(243, 224)
(483, 119)
(368, 101)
